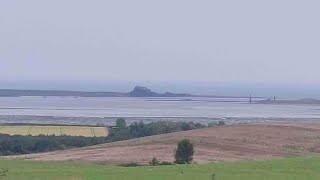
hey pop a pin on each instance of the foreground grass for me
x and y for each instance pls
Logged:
(286, 169)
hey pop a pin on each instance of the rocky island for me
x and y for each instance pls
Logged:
(141, 91)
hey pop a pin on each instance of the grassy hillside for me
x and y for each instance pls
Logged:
(224, 143)
(284, 169)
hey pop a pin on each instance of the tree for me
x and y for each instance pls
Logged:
(185, 126)
(138, 129)
(121, 123)
(184, 152)
(221, 123)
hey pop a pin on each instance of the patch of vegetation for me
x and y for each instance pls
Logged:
(156, 162)
(219, 123)
(139, 129)
(18, 144)
(12, 145)
(184, 152)
(165, 163)
(132, 164)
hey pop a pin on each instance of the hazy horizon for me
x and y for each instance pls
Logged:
(198, 88)
(241, 42)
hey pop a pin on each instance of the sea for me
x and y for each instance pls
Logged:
(105, 110)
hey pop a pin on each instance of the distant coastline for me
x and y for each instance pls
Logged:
(144, 92)
(138, 91)
(291, 102)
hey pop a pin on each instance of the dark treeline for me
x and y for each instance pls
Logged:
(139, 129)
(17, 144)
(11, 145)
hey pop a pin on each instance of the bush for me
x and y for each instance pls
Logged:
(184, 152)
(221, 123)
(154, 162)
(132, 164)
(165, 163)
(121, 123)
(212, 124)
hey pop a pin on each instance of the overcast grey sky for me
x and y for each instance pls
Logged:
(251, 41)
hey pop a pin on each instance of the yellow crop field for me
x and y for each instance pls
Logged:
(55, 130)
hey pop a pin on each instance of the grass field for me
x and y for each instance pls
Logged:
(56, 130)
(307, 168)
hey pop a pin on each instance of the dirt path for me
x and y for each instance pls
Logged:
(229, 143)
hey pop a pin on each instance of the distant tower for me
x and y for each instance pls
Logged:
(274, 98)
(250, 100)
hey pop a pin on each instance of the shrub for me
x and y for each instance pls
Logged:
(184, 152)
(165, 163)
(154, 162)
(121, 123)
(212, 124)
(132, 164)
(221, 123)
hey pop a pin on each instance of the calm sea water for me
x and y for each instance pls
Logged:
(189, 108)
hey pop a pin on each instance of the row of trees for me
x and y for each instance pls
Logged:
(17, 144)
(140, 129)
(185, 149)
(10, 145)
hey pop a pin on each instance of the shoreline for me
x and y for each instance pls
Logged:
(109, 121)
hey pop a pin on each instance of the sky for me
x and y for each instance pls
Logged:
(248, 41)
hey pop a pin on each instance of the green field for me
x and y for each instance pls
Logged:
(56, 130)
(285, 169)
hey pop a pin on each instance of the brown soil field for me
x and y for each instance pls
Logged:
(227, 143)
